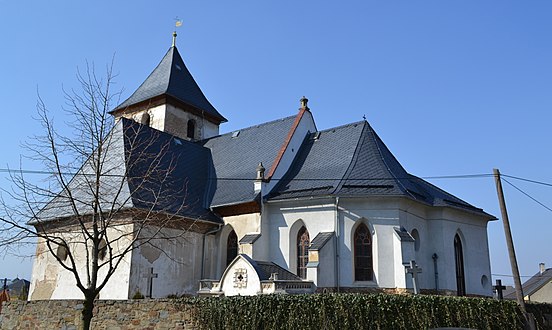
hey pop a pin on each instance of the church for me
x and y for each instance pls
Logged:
(278, 207)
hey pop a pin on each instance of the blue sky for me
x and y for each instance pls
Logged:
(452, 87)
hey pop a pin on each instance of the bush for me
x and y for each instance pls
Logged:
(353, 311)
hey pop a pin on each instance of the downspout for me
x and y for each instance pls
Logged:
(203, 249)
(336, 226)
(435, 257)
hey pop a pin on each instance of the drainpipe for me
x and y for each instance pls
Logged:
(336, 226)
(203, 250)
(435, 257)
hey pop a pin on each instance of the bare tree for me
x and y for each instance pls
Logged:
(112, 187)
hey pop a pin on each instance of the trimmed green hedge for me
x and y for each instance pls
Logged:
(353, 311)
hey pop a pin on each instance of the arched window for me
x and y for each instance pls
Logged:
(231, 247)
(191, 129)
(416, 236)
(363, 254)
(303, 242)
(459, 260)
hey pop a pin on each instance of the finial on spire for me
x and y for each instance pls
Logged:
(174, 39)
(304, 102)
(364, 117)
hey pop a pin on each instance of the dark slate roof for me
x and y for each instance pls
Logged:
(532, 285)
(320, 240)
(235, 159)
(177, 171)
(144, 169)
(352, 161)
(265, 269)
(404, 235)
(249, 238)
(171, 77)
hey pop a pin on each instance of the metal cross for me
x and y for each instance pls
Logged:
(413, 269)
(150, 276)
(499, 288)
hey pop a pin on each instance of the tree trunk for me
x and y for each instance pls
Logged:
(88, 311)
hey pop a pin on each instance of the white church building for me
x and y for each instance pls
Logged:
(280, 207)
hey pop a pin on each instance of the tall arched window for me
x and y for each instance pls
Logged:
(364, 270)
(303, 242)
(190, 133)
(231, 247)
(459, 259)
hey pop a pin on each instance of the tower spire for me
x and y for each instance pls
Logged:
(174, 39)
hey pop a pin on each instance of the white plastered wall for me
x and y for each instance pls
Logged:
(51, 281)
(177, 261)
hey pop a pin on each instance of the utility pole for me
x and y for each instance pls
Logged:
(509, 241)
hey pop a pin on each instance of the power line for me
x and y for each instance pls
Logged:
(528, 180)
(508, 275)
(462, 176)
(526, 194)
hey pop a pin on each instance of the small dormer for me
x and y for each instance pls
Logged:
(171, 101)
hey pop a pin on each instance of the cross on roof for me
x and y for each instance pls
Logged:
(413, 269)
(499, 288)
(150, 276)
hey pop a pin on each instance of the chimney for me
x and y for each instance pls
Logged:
(260, 177)
(541, 267)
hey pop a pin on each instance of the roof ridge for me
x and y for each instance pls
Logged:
(377, 139)
(352, 163)
(247, 128)
(343, 126)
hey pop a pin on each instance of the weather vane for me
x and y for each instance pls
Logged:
(177, 23)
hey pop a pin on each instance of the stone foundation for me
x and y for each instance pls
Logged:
(108, 314)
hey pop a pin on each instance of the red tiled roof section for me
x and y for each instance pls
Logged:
(286, 142)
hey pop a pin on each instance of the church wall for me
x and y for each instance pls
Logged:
(413, 216)
(472, 229)
(326, 269)
(176, 121)
(177, 261)
(285, 220)
(381, 216)
(156, 115)
(242, 224)
(51, 281)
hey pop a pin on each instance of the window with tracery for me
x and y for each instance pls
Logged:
(231, 247)
(303, 242)
(364, 270)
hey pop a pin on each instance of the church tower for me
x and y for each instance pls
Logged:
(171, 101)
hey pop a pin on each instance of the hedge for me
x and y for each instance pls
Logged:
(352, 311)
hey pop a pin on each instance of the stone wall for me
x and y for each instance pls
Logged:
(109, 314)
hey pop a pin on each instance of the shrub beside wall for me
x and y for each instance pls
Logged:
(354, 311)
(319, 311)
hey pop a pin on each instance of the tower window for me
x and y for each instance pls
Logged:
(191, 129)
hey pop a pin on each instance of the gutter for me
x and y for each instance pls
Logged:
(337, 243)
